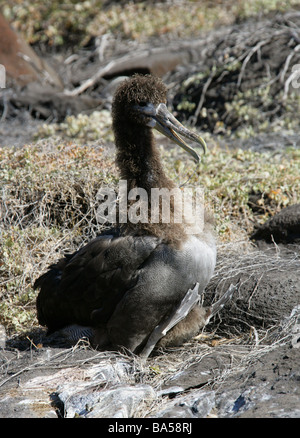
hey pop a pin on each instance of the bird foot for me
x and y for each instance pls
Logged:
(189, 300)
(73, 333)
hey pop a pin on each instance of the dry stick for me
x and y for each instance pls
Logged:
(31, 367)
(248, 57)
(102, 46)
(37, 69)
(287, 62)
(193, 119)
(255, 289)
(293, 76)
(91, 81)
(100, 73)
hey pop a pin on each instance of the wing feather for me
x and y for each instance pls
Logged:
(95, 277)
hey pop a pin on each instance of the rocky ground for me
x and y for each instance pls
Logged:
(247, 362)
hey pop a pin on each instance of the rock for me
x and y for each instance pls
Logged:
(265, 384)
(209, 368)
(29, 387)
(23, 398)
(197, 405)
(102, 393)
(269, 388)
(284, 227)
(22, 403)
(268, 289)
(120, 402)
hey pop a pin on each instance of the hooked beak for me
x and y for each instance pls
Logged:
(167, 124)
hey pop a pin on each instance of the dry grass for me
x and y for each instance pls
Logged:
(47, 208)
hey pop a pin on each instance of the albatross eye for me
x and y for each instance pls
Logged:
(145, 109)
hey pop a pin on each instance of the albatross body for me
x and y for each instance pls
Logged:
(132, 278)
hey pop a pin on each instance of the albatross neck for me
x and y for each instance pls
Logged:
(139, 163)
(139, 160)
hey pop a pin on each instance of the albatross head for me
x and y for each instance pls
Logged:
(141, 100)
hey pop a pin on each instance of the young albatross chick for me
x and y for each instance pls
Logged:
(136, 285)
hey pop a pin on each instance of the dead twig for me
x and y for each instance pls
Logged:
(254, 290)
(91, 81)
(248, 57)
(194, 118)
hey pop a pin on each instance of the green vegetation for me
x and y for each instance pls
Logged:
(261, 105)
(57, 23)
(251, 111)
(82, 127)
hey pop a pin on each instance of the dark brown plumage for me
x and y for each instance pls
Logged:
(137, 157)
(130, 279)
